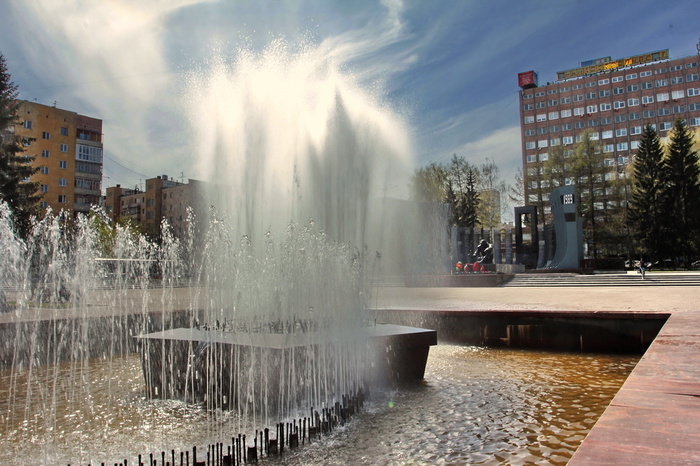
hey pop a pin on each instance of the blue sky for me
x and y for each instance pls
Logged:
(448, 67)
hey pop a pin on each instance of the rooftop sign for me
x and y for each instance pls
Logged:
(603, 66)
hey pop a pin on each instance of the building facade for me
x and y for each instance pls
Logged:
(613, 99)
(67, 149)
(163, 199)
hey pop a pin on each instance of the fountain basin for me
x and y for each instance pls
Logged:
(221, 368)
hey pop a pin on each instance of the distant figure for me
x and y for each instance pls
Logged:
(484, 252)
(641, 265)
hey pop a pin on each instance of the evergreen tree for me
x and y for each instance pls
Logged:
(682, 182)
(646, 203)
(15, 167)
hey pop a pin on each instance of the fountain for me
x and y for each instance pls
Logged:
(272, 319)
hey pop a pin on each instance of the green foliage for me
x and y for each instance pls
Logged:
(647, 199)
(15, 167)
(681, 172)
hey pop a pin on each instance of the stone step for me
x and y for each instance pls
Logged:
(605, 279)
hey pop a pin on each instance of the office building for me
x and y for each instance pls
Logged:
(613, 99)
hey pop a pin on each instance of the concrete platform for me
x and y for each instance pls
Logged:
(655, 417)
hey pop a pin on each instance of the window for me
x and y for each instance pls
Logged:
(691, 77)
(663, 111)
(631, 76)
(542, 143)
(62, 182)
(591, 109)
(619, 132)
(61, 198)
(620, 118)
(542, 130)
(608, 162)
(675, 68)
(665, 126)
(529, 132)
(567, 140)
(539, 105)
(647, 85)
(44, 188)
(632, 88)
(662, 97)
(553, 115)
(660, 71)
(551, 91)
(676, 79)
(64, 147)
(661, 82)
(541, 117)
(647, 99)
(649, 113)
(529, 119)
(564, 89)
(576, 87)
(64, 131)
(528, 107)
(554, 129)
(604, 107)
(590, 84)
(594, 136)
(678, 94)
(592, 123)
(607, 134)
(28, 124)
(530, 158)
(618, 90)
(552, 102)
(604, 93)
(694, 122)
(644, 74)
(566, 127)
(608, 147)
(622, 146)
(554, 142)
(578, 98)
(527, 96)
(44, 170)
(579, 125)
(632, 102)
(635, 130)
(578, 111)
(603, 81)
(635, 116)
(62, 164)
(693, 91)
(679, 109)
(539, 93)
(45, 135)
(619, 104)
(606, 121)
(691, 65)
(566, 113)
(530, 145)
(45, 154)
(634, 145)
(616, 79)
(544, 156)
(565, 100)
(591, 95)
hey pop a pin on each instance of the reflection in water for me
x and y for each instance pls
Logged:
(476, 406)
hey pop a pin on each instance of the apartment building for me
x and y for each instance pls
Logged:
(67, 149)
(612, 98)
(163, 199)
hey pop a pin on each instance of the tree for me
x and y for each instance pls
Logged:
(681, 170)
(492, 190)
(429, 184)
(589, 171)
(15, 167)
(646, 203)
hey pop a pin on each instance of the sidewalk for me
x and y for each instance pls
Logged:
(655, 417)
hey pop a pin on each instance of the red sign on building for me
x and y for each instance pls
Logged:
(527, 79)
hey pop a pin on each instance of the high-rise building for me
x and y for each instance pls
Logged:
(67, 149)
(613, 99)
